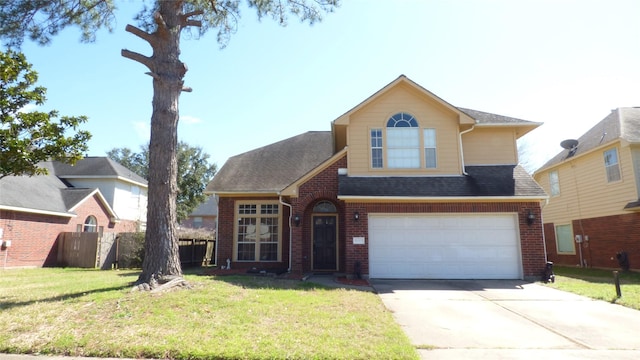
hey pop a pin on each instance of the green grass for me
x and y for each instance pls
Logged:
(93, 313)
(599, 284)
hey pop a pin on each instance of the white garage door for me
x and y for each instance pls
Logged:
(461, 246)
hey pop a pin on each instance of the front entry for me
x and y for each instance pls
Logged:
(325, 249)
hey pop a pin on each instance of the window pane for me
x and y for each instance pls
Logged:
(611, 165)
(247, 209)
(269, 209)
(430, 148)
(430, 138)
(247, 230)
(268, 252)
(403, 148)
(246, 252)
(564, 239)
(376, 148)
(430, 158)
(403, 137)
(554, 183)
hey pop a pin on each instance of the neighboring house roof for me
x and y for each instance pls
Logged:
(207, 208)
(621, 123)
(273, 167)
(44, 194)
(97, 167)
(482, 181)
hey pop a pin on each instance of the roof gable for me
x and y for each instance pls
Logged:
(45, 194)
(96, 167)
(403, 80)
(620, 124)
(272, 168)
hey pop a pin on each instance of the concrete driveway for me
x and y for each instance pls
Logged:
(508, 319)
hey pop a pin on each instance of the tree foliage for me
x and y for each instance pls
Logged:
(194, 173)
(29, 137)
(161, 24)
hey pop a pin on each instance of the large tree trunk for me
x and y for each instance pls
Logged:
(162, 259)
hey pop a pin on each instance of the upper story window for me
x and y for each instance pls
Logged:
(611, 165)
(554, 183)
(403, 145)
(90, 224)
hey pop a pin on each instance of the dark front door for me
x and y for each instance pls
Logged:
(324, 243)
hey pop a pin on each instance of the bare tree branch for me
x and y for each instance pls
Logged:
(153, 75)
(140, 33)
(144, 60)
(196, 23)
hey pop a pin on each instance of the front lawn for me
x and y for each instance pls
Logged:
(81, 312)
(599, 284)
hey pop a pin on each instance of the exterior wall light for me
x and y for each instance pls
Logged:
(296, 220)
(531, 218)
(356, 216)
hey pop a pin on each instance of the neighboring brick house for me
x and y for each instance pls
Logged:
(593, 212)
(205, 216)
(405, 185)
(35, 210)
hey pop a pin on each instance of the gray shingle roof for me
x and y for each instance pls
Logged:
(621, 123)
(52, 194)
(207, 208)
(273, 167)
(485, 118)
(94, 167)
(42, 193)
(482, 181)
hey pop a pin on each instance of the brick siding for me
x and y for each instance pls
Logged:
(33, 236)
(608, 235)
(324, 186)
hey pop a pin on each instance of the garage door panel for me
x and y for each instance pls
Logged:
(444, 246)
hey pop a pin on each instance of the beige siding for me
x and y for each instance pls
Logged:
(429, 114)
(584, 190)
(490, 146)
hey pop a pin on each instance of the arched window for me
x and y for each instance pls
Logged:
(403, 142)
(90, 224)
(324, 207)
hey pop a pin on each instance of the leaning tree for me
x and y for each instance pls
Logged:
(160, 24)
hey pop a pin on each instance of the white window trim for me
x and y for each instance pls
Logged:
(555, 229)
(236, 221)
(556, 183)
(617, 164)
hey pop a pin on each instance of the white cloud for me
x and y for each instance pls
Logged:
(28, 108)
(187, 119)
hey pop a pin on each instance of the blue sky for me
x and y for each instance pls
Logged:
(566, 63)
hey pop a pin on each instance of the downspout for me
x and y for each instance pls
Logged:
(217, 225)
(290, 229)
(464, 172)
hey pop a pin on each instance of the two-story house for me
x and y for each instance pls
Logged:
(405, 185)
(124, 190)
(593, 213)
(35, 210)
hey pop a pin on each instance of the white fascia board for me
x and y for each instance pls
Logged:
(37, 211)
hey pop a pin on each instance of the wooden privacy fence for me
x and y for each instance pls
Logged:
(112, 250)
(196, 252)
(78, 249)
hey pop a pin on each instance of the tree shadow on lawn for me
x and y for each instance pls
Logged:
(6, 305)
